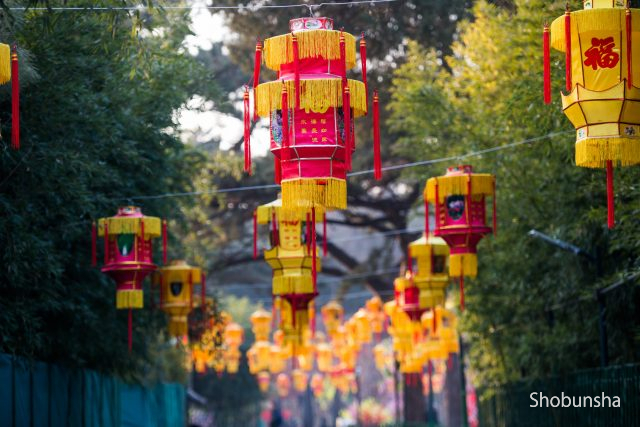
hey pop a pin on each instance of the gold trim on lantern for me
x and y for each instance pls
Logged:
(316, 95)
(323, 44)
(463, 264)
(129, 299)
(152, 226)
(481, 185)
(264, 213)
(5, 63)
(301, 194)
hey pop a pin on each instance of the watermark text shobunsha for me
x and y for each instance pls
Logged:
(539, 400)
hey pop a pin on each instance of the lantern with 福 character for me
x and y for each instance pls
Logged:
(176, 283)
(9, 70)
(459, 198)
(295, 262)
(311, 106)
(602, 100)
(128, 254)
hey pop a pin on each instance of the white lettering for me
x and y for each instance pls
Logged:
(616, 402)
(557, 401)
(532, 396)
(585, 401)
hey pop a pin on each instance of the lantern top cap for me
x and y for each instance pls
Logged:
(459, 169)
(130, 211)
(260, 314)
(311, 23)
(604, 4)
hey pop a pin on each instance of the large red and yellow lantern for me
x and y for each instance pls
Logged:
(128, 254)
(459, 198)
(311, 107)
(602, 100)
(176, 293)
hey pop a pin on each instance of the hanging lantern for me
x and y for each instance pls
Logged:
(409, 296)
(261, 324)
(300, 380)
(233, 335)
(264, 380)
(324, 357)
(380, 357)
(376, 315)
(176, 293)
(259, 356)
(312, 106)
(283, 385)
(295, 263)
(363, 326)
(332, 315)
(232, 358)
(430, 272)
(460, 216)
(128, 255)
(9, 70)
(602, 99)
(317, 384)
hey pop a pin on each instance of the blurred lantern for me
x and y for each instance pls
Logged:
(379, 357)
(363, 326)
(332, 314)
(233, 335)
(277, 359)
(9, 70)
(460, 216)
(353, 382)
(431, 273)
(261, 324)
(218, 362)
(376, 315)
(263, 381)
(311, 107)
(295, 264)
(602, 99)
(259, 356)
(176, 293)
(232, 359)
(324, 357)
(305, 355)
(252, 361)
(408, 296)
(283, 385)
(317, 384)
(300, 380)
(128, 255)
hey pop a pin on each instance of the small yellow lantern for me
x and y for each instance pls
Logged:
(431, 274)
(176, 293)
(300, 380)
(261, 324)
(332, 315)
(233, 335)
(324, 357)
(363, 326)
(277, 359)
(376, 315)
(379, 356)
(263, 381)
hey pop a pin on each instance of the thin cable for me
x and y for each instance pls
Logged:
(196, 7)
(364, 172)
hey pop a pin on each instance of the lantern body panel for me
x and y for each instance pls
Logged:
(176, 288)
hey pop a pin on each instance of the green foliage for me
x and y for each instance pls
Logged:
(531, 311)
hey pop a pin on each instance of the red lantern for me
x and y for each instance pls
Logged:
(311, 106)
(128, 254)
(460, 216)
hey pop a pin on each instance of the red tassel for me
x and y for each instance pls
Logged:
(307, 233)
(346, 109)
(277, 170)
(285, 116)
(255, 235)
(324, 234)
(546, 64)
(274, 223)
(426, 217)
(409, 261)
(256, 77)
(296, 68)
(106, 242)
(377, 161)
(15, 100)
(629, 48)
(130, 330)
(611, 221)
(363, 65)
(247, 132)
(343, 60)
(94, 239)
(567, 57)
(141, 245)
(165, 238)
(314, 271)
(435, 319)
(495, 211)
(203, 296)
(437, 222)
(462, 291)
(450, 361)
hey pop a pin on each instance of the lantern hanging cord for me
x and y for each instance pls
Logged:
(251, 8)
(364, 172)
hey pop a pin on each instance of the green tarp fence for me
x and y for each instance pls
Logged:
(35, 394)
(510, 405)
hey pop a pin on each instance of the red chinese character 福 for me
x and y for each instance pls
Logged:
(601, 54)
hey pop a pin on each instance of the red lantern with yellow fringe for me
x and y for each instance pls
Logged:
(311, 107)
(459, 198)
(128, 254)
(602, 99)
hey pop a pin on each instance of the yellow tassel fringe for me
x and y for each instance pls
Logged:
(481, 185)
(129, 299)
(301, 194)
(297, 284)
(311, 44)
(316, 95)
(5, 63)
(178, 326)
(466, 264)
(430, 298)
(594, 152)
(152, 226)
(264, 213)
(592, 20)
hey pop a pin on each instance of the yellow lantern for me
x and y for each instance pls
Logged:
(376, 315)
(277, 359)
(300, 380)
(261, 324)
(304, 355)
(431, 272)
(602, 101)
(379, 356)
(176, 293)
(363, 326)
(324, 357)
(263, 381)
(332, 314)
(233, 335)
(232, 359)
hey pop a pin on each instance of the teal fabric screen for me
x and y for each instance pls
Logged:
(35, 394)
